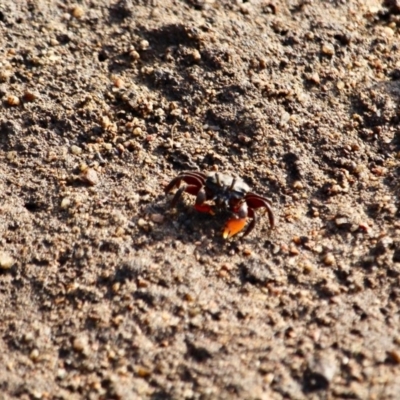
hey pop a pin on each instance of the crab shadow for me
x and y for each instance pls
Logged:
(186, 225)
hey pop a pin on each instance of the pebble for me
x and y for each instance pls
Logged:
(30, 96)
(328, 49)
(284, 118)
(80, 343)
(105, 122)
(387, 31)
(317, 249)
(309, 35)
(298, 185)
(142, 283)
(78, 12)
(29, 337)
(4, 76)
(65, 203)
(263, 63)
(144, 45)
(90, 176)
(293, 250)
(275, 249)
(119, 83)
(119, 232)
(379, 171)
(330, 289)
(196, 55)
(188, 297)
(335, 189)
(143, 372)
(61, 373)
(34, 355)
(297, 240)
(329, 259)
(308, 267)
(341, 221)
(142, 222)
(51, 156)
(247, 252)
(157, 218)
(116, 287)
(134, 55)
(223, 274)
(75, 150)
(107, 146)
(395, 356)
(13, 100)
(315, 78)
(340, 85)
(137, 131)
(323, 367)
(6, 261)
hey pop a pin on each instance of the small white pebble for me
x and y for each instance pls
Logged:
(65, 203)
(75, 150)
(144, 45)
(137, 131)
(61, 373)
(142, 222)
(340, 221)
(6, 261)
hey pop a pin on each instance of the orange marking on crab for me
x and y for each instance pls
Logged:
(233, 226)
(205, 208)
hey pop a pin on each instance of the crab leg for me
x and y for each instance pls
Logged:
(252, 223)
(200, 204)
(255, 201)
(192, 178)
(193, 183)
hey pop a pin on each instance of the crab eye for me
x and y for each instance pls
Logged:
(235, 195)
(234, 201)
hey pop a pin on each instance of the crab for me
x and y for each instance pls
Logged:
(219, 192)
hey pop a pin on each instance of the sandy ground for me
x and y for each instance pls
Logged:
(109, 293)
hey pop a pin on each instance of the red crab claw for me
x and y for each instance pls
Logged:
(246, 211)
(233, 226)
